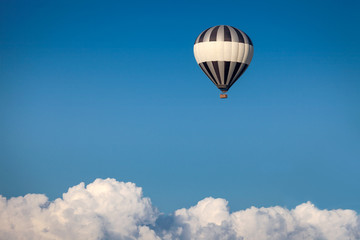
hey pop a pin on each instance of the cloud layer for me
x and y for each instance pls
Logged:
(108, 209)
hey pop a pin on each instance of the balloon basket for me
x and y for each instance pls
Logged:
(223, 96)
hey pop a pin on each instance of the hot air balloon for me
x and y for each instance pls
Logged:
(223, 53)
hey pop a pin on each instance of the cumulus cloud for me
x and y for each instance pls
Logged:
(108, 209)
(104, 209)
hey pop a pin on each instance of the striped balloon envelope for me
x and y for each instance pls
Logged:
(223, 53)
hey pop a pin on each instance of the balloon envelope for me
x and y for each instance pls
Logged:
(223, 53)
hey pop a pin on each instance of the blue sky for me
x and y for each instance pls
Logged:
(97, 89)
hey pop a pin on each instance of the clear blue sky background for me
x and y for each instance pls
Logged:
(98, 89)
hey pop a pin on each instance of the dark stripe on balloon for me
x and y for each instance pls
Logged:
(210, 75)
(214, 34)
(240, 36)
(226, 71)
(201, 38)
(206, 72)
(237, 66)
(250, 42)
(227, 34)
(231, 70)
(245, 66)
(242, 71)
(233, 80)
(212, 70)
(216, 67)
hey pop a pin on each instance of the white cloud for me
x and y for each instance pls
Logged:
(108, 209)
(104, 209)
